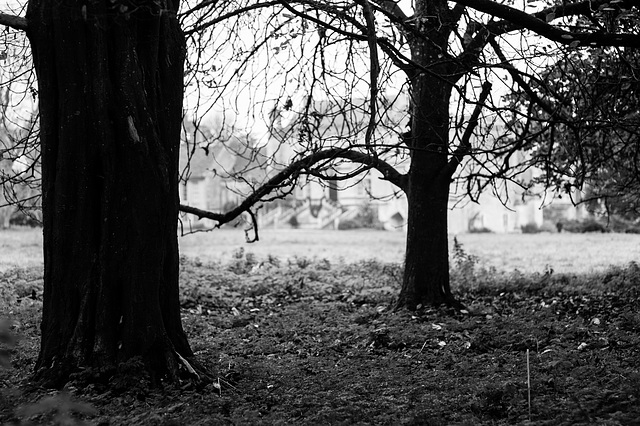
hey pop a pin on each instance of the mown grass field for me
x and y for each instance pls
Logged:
(566, 253)
(305, 334)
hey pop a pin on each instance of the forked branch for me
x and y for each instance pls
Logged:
(287, 177)
(465, 144)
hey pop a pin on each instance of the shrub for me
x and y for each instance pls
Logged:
(531, 228)
(571, 226)
(464, 264)
(588, 225)
(483, 230)
(593, 226)
(367, 217)
(348, 224)
(617, 223)
(242, 262)
(25, 218)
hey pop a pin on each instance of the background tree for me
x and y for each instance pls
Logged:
(590, 139)
(442, 57)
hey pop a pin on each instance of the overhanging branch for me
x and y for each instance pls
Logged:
(514, 19)
(13, 21)
(294, 169)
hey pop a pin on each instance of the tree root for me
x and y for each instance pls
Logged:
(194, 372)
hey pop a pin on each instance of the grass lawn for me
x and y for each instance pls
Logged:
(304, 334)
(20, 247)
(565, 253)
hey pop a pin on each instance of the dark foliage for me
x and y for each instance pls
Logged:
(480, 230)
(21, 218)
(530, 228)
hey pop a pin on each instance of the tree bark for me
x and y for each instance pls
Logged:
(426, 272)
(426, 268)
(110, 83)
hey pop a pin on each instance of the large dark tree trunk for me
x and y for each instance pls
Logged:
(426, 273)
(110, 79)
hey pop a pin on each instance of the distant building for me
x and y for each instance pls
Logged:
(209, 163)
(209, 182)
(327, 204)
(514, 208)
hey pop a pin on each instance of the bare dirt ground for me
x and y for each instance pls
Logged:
(312, 340)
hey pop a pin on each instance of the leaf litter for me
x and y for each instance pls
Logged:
(309, 342)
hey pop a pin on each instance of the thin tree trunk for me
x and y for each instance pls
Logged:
(110, 98)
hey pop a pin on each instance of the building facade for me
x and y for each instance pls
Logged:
(325, 204)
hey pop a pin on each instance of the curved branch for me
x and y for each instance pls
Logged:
(13, 21)
(286, 5)
(254, 227)
(202, 5)
(229, 15)
(514, 19)
(295, 169)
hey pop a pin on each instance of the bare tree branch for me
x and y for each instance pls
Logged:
(226, 16)
(465, 144)
(515, 75)
(374, 67)
(254, 227)
(293, 170)
(392, 8)
(517, 19)
(202, 5)
(286, 5)
(13, 21)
